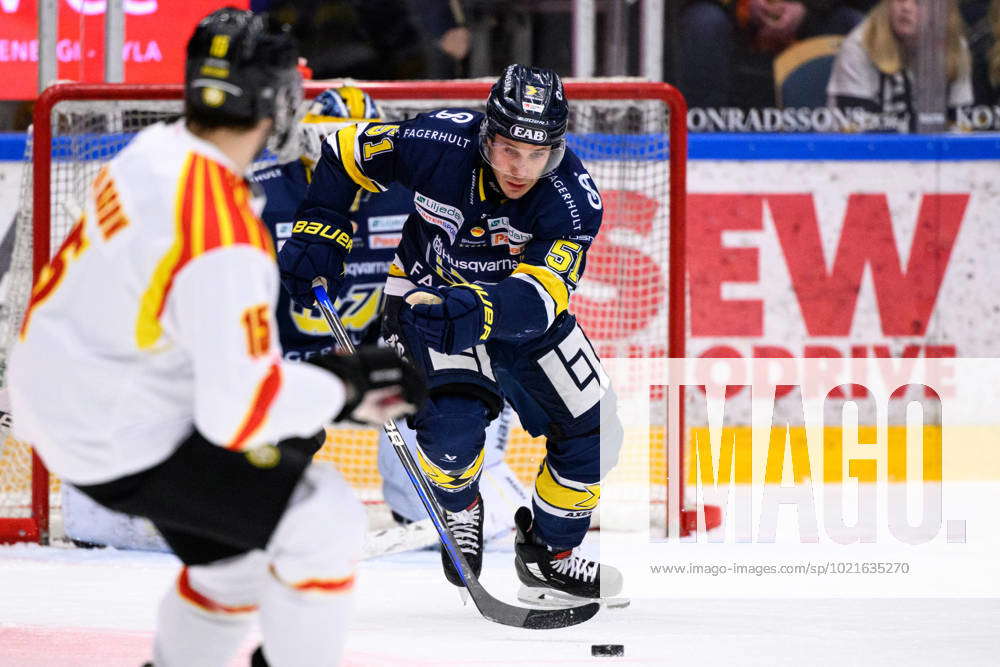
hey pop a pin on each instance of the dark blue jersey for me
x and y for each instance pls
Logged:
(379, 219)
(530, 251)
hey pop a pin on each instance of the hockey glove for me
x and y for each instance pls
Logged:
(303, 259)
(380, 385)
(463, 317)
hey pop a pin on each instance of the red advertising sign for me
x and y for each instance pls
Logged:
(156, 32)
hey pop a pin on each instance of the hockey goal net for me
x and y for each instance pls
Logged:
(631, 136)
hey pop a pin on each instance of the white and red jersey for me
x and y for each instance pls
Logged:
(156, 317)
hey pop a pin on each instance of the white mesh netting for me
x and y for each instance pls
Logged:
(622, 298)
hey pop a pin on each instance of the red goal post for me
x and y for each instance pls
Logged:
(636, 189)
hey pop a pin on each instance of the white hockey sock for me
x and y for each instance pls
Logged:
(306, 628)
(190, 636)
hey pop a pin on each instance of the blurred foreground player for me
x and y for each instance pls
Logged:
(504, 216)
(148, 372)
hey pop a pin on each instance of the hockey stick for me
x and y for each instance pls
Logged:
(490, 607)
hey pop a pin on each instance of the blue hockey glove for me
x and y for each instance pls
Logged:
(462, 319)
(301, 260)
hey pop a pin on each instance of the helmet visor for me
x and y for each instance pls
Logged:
(519, 159)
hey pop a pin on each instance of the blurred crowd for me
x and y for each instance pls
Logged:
(861, 57)
(768, 64)
(377, 39)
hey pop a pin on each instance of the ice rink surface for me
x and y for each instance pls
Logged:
(63, 607)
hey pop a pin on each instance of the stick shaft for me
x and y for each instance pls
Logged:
(413, 471)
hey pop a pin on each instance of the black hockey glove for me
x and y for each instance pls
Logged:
(379, 384)
(302, 259)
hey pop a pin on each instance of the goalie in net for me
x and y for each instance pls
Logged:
(478, 297)
(154, 321)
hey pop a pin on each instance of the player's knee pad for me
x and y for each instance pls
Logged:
(451, 432)
(319, 539)
(229, 588)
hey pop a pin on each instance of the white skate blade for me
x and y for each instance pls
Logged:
(548, 598)
(463, 593)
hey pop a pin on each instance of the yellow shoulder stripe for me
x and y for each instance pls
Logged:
(552, 283)
(346, 139)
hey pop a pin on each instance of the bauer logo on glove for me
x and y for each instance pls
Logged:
(306, 255)
(326, 231)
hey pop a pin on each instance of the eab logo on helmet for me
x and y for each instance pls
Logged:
(522, 132)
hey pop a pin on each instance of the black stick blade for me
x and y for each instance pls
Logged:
(533, 619)
(547, 619)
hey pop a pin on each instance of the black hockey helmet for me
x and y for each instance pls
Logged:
(527, 104)
(240, 69)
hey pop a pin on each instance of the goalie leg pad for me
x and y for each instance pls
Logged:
(397, 490)
(451, 433)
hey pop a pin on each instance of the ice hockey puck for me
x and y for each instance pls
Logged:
(607, 650)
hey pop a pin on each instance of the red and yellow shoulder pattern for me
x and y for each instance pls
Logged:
(211, 210)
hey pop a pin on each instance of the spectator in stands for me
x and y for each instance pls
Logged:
(727, 46)
(446, 34)
(873, 69)
(363, 39)
(984, 45)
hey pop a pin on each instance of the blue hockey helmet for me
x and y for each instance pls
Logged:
(527, 105)
(241, 68)
(329, 111)
(344, 103)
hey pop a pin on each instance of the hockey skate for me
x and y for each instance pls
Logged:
(552, 579)
(467, 528)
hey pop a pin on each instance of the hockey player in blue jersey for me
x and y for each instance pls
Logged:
(478, 296)
(377, 220)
